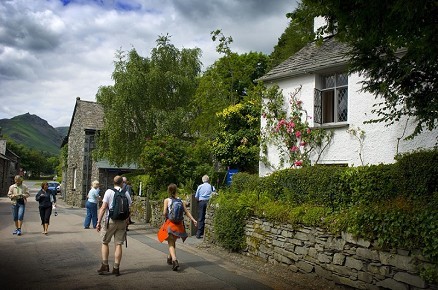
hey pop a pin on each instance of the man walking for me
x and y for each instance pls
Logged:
(18, 193)
(203, 194)
(109, 228)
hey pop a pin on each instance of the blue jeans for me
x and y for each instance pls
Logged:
(202, 208)
(91, 214)
(18, 211)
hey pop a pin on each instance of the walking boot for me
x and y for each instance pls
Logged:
(116, 271)
(175, 265)
(103, 268)
(169, 260)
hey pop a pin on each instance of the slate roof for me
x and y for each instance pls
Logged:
(311, 58)
(96, 121)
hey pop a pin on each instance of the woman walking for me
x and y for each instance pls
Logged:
(172, 230)
(91, 205)
(46, 199)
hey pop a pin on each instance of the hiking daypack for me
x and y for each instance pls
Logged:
(120, 208)
(176, 210)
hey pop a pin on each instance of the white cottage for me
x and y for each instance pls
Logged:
(334, 101)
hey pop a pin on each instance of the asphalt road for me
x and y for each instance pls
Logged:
(69, 256)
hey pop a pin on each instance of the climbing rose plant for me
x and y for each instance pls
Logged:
(290, 133)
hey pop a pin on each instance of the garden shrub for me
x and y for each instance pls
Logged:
(367, 184)
(244, 182)
(417, 173)
(392, 204)
(229, 222)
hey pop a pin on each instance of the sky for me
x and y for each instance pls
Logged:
(53, 51)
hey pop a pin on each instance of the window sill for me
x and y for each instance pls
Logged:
(330, 125)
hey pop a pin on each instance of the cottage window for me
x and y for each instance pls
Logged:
(331, 100)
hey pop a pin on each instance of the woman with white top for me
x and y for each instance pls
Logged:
(92, 205)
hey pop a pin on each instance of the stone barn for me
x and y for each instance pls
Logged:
(81, 169)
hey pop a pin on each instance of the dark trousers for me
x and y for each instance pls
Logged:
(45, 213)
(202, 209)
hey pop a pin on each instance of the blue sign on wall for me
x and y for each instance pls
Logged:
(230, 174)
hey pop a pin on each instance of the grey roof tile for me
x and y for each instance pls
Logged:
(312, 57)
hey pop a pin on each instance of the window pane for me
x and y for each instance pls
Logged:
(317, 108)
(341, 80)
(328, 81)
(342, 104)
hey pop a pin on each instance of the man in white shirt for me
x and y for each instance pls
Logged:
(110, 228)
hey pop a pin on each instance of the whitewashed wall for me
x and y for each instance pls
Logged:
(380, 142)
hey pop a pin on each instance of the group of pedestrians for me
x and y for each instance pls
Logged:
(19, 193)
(108, 228)
(170, 230)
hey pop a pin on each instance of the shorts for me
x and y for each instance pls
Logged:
(116, 229)
(18, 211)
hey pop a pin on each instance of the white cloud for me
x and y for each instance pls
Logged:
(54, 51)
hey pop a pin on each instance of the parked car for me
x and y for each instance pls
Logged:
(54, 186)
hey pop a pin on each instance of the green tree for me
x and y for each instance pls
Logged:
(150, 97)
(296, 36)
(394, 44)
(225, 83)
(33, 161)
(237, 143)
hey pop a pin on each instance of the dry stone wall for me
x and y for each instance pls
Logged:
(341, 258)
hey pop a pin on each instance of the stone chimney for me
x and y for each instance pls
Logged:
(2, 146)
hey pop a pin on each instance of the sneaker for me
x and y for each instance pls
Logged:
(18, 232)
(15, 232)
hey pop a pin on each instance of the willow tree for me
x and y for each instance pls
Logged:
(149, 98)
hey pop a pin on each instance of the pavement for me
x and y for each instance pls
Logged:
(69, 256)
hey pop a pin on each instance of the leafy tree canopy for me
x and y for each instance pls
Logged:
(237, 142)
(149, 98)
(296, 36)
(225, 83)
(395, 46)
(33, 161)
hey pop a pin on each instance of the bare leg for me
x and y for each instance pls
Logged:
(46, 228)
(118, 254)
(19, 223)
(105, 252)
(172, 246)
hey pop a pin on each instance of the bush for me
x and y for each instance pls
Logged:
(229, 223)
(417, 173)
(393, 204)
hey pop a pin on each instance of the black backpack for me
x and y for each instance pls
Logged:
(120, 208)
(176, 211)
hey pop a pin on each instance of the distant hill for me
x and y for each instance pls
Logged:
(63, 131)
(34, 132)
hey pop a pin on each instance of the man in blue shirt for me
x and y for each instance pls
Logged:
(203, 194)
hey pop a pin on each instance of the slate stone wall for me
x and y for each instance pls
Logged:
(86, 116)
(340, 258)
(343, 258)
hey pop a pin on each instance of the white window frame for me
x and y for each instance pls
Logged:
(327, 100)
